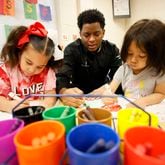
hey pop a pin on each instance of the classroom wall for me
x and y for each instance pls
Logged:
(19, 18)
(64, 18)
(67, 19)
(115, 27)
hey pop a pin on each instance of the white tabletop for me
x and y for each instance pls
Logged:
(158, 109)
(5, 115)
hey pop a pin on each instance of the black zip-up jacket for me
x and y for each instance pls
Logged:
(88, 70)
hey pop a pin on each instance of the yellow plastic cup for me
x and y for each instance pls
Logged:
(131, 117)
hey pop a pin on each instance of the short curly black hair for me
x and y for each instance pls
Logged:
(90, 16)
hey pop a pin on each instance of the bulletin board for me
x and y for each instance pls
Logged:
(25, 12)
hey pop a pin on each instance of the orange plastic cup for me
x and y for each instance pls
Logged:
(102, 116)
(47, 154)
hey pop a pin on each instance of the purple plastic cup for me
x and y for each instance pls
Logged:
(8, 129)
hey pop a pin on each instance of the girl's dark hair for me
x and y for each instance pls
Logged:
(149, 35)
(90, 16)
(11, 54)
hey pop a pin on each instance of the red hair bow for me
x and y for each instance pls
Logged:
(36, 29)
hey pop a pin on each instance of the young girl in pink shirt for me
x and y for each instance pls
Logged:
(27, 67)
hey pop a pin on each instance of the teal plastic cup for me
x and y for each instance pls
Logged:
(55, 113)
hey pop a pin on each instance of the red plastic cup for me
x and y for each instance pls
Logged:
(138, 136)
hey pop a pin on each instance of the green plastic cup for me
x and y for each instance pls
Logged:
(57, 113)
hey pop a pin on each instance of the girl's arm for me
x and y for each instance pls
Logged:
(156, 97)
(46, 101)
(113, 86)
(106, 88)
(7, 105)
(110, 89)
(151, 99)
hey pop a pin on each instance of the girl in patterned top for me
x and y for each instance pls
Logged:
(28, 67)
(143, 73)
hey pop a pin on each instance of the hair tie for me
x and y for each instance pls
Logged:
(36, 29)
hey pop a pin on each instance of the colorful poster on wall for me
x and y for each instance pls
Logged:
(32, 1)
(26, 12)
(8, 29)
(1, 7)
(45, 13)
(7, 7)
(30, 11)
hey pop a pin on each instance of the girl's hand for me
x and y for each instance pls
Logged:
(109, 100)
(13, 103)
(98, 91)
